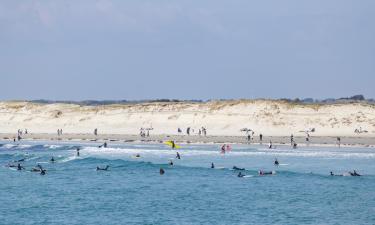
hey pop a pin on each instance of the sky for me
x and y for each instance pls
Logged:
(186, 49)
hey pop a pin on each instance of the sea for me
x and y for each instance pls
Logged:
(132, 191)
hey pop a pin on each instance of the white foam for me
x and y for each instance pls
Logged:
(281, 153)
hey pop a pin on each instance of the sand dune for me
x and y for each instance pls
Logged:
(276, 118)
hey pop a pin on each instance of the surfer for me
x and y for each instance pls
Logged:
(78, 152)
(52, 160)
(173, 145)
(161, 171)
(236, 168)
(43, 172)
(98, 168)
(19, 167)
(38, 168)
(276, 162)
(262, 173)
(240, 174)
(137, 155)
(212, 165)
(178, 155)
(171, 163)
(294, 145)
(354, 174)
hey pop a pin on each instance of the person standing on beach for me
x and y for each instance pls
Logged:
(188, 131)
(339, 141)
(291, 139)
(260, 138)
(96, 131)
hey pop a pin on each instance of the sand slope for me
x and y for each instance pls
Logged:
(269, 117)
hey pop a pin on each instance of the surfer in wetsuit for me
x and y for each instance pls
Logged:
(161, 171)
(240, 174)
(354, 174)
(171, 163)
(212, 166)
(19, 167)
(236, 168)
(38, 168)
(178, 155)
(106, 168)
(43, 172)
(78, 152)
(276, 162)
(261, 172)
(52, 160)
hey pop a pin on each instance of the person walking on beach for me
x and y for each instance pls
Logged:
(96, 131)
(260, 138)
(188, 131)
(248, 138)
(339, 141)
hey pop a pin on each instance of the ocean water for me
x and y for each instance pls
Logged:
(190, 192)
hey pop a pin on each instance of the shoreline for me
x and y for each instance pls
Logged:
(326, 141)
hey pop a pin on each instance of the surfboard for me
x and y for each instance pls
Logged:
(169, 143)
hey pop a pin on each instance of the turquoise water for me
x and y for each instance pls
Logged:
(190, 192)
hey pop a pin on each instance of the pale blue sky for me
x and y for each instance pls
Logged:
(185, 49)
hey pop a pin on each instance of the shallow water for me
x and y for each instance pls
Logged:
(190, 192)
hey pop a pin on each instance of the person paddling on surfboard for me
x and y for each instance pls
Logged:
(106, 168)
(240, 174)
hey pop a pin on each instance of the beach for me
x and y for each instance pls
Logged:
(224, 122)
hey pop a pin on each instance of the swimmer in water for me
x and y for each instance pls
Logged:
(276, 162)
(212, 166)
(98, 168)
(78, 152)
(137, 155)
(161, 171)
(178, 155)
(52, 160)
(171, 163)
(43, 172)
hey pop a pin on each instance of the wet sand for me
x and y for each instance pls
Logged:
(276, 140)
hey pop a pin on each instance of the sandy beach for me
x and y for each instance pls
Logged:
(184, 139)
(223, 120)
